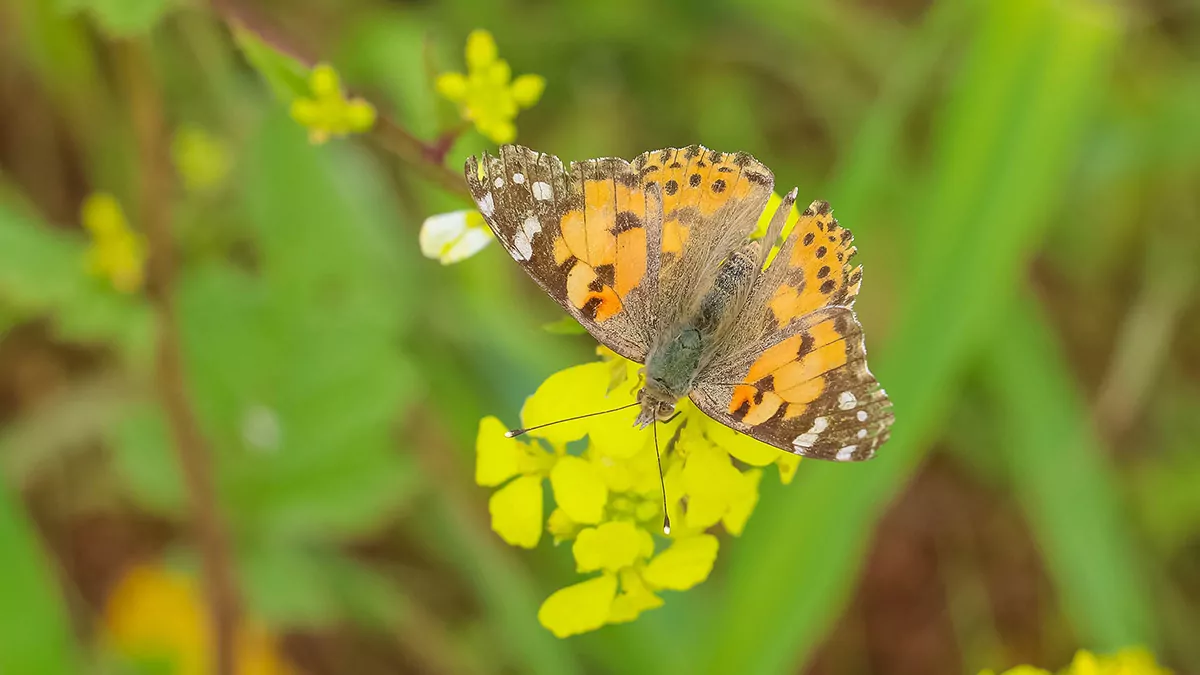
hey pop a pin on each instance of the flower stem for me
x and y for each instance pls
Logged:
(193, 452)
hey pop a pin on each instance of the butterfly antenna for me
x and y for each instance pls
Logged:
(524, 430)
(662, 483)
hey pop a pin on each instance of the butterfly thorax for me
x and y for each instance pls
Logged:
(673, 364)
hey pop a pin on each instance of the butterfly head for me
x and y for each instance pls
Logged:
(658, 405)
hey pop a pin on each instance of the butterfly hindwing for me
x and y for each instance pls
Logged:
(795, 374)
(810, 394)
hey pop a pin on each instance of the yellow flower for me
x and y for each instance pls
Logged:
(1129, 661)
(201, 159)
(621, 551)
(516, 508)
(451, 237)
(608, 499)
(156, 616)
(117, 253)
(328, 113)
(487, 95)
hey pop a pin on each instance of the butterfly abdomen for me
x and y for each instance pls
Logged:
(729, 290)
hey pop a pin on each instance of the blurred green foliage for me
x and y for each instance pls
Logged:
(1020, 176)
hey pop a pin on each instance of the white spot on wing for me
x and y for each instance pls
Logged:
(845, 453)
(541, 190)
(523, 239)
(862, 415)
(499, 182)
(862, 433)
(804, 441)
(487, 204)
(819, 424)
(518, 178)
(846, 400)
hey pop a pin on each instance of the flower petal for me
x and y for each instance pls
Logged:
(579, 489)
(633, 599)
(561, 526)
(497, 456)
(451, 237)
(574, 391)
(686, 563)
(741, 446)
(709, 471)
(527, 89)
(481, 49)
(743, 505)
(516, 512)
(787, 463)
(579, 608)
(323, 81)
(452, 86)
(612, 546)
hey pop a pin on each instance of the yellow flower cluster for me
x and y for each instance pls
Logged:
(156, 617)
(329, 113)
(487, 95)
(1131, 661)
(117, 253)
(607, 495)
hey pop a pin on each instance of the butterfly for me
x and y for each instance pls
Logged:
(654, 257)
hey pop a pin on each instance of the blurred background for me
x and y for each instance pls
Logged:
(1021, 177)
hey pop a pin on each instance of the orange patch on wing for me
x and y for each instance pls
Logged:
(774, 358)
(674, 237)
(677, 193)
(763, 411)
(562, 252)
(804, 393)
(813, 365)
(803, 382)
(742, 394)
(587, 232)
(581, 294)
(786, 305)
(630, 226)
(820, 251)
(631, 261)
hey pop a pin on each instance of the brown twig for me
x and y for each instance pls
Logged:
(193, 452)
(428, 159)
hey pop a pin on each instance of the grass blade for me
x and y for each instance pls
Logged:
(35, 635)
(1066, 486)
(1005, 145)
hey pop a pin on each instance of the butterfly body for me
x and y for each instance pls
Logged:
(654, 257)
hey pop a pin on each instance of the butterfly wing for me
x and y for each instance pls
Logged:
(802, 384)
(582, 235)
(711, 203)
(626, 248)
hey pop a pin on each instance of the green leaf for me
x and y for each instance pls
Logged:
(296, 373)
(121, 18)
(35, 634)
(1005, 144)
(286, 76)
(42, 273)
(1066, 486)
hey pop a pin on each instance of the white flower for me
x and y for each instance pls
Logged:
(451, 237)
